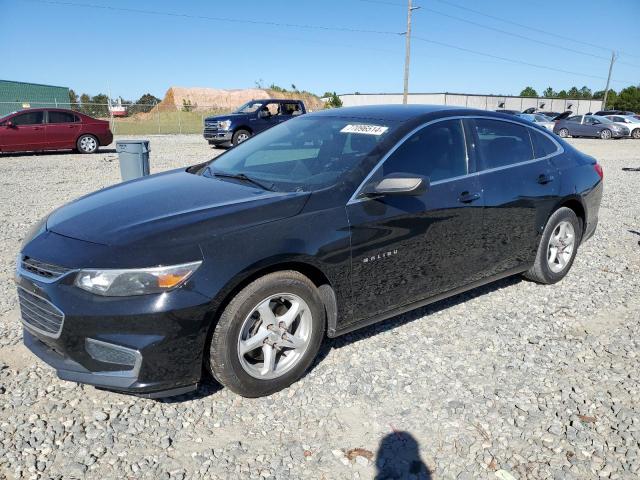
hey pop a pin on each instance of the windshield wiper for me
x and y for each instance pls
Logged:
(244, 177)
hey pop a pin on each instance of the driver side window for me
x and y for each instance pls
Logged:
(437, 151)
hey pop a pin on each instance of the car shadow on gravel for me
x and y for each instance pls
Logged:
(53, 153)
(393, 322)
(208, 386)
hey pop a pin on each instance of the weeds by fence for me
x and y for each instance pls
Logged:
(136, 119)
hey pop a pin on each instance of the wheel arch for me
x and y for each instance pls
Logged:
(309, 270)
(243, 127)
(574, 203)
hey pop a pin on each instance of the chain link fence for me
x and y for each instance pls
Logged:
(134, 119)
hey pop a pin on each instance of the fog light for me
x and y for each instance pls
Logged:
(110, 353)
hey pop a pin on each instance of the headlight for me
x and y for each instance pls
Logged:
(224, 125)
(137, 281)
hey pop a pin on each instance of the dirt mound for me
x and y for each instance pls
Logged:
(203, 98)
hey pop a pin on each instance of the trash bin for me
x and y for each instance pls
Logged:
(134, 158)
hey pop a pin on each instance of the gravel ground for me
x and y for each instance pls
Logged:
(512, 380)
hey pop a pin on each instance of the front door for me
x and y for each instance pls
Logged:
(267, 117)
(26, 132)
(520, 187)
(408, 248)
(63, 128)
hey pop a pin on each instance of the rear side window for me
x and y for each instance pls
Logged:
(437, 151)
(542, 145)
(31, 118)
(62, 117)
(502, 143)
(575, 119)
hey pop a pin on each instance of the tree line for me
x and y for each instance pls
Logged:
(626, 99)
(97, 105)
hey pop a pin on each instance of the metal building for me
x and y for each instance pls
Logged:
(484, 102)
(18, 95)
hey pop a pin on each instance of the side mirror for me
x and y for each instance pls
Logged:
(397, 185)
(8, 124)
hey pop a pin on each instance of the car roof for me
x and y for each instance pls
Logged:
(401, 113)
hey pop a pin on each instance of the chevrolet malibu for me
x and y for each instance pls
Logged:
(240, 266)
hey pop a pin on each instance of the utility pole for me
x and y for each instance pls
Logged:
(606, 90)
(407, 56)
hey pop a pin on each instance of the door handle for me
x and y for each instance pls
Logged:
(466, 197)
(543, 179)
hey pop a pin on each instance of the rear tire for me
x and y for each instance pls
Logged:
(558, 247)
(563, 133)
(87, 144)
(240, 136)
(256, 320)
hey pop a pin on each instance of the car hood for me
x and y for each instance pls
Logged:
(171, 208)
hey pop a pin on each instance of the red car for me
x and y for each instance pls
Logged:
(39, 129)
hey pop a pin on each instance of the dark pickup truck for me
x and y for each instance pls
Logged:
(251, 118)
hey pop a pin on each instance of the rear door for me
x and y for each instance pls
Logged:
(407, 248)
(26, 132)
(519, 185)
(574, 125)
(63, 128)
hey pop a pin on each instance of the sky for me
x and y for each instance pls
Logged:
(76, 44)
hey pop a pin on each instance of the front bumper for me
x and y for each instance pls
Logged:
(163, 335)
(213, 135)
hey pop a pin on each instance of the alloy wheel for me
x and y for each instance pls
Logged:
(242, 137)
(605, 134)
(274, 336)
(561, 245)
(636, 133)
(564, 133)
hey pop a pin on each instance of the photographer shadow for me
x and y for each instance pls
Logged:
(398, 457)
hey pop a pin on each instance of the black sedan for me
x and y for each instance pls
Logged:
(332, 221)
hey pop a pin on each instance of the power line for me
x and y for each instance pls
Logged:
(216, 19)
(513, 60)
(535, 29)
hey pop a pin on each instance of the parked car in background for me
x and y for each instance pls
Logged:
(251, 118)
(588, 126)
(538, 119)
(628, 121)
(242, 265)
(39, 129)
(550, 115)
(604, 113)
(508, 112)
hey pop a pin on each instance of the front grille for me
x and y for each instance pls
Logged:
(40, 314)
(43, 269)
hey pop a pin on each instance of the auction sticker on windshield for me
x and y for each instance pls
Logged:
(365, 129)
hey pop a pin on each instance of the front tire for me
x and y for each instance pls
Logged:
(87, 144)
(605, 134)
(558, 247)
(636, 133)
(268, 335)
(240, 136)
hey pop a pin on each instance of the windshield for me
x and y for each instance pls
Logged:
(249, 107)
(304, 154)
